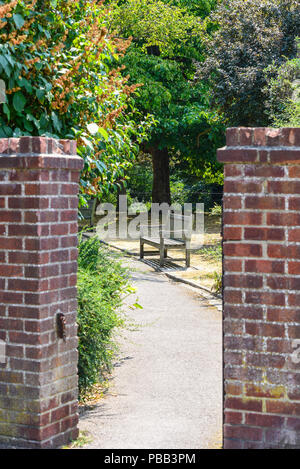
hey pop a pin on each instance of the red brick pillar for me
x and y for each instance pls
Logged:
(38, 252)
(262, 288)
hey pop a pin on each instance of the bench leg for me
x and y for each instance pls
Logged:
(161, 255)
(188, 257)
(166, 253)
(141, 250)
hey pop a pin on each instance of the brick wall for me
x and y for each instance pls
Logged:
(38, 252)
(261, 288)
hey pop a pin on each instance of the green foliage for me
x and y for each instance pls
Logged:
(165, 57)
(25, 69)
(249, 36)
(140, 179)
(216, 210)
(211, 253)
(88, 253)
(200, 8)
(291, 116)
(117, 149)
(155, 23)
(59, 65)
(178, 191)
(283, 94)
(102, 283)
(185, 188)
(202, 192)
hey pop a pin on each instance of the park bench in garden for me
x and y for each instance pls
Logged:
(174, 235)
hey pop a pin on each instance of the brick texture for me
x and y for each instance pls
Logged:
(262, 288)
(38, 246)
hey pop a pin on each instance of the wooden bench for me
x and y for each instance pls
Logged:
(174, 235)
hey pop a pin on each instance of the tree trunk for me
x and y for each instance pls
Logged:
(161, 176)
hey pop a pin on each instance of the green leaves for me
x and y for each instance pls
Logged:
(3, 61)
(283, 93)
(49, 95)
(156, 24)
(104, 133)
(40, 94)
(23, 83)
(19, 101)
(5, 65)
(165, 56)
(56, 122)
(250, 35)
(19, 20)
(102, 286)
(6, 111)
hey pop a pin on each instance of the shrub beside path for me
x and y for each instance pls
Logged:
(166, 388)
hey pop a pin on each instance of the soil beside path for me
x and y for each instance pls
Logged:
(166, 390)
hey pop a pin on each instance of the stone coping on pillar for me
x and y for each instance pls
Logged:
(261, 145)
(39, 152)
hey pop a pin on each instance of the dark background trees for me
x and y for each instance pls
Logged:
(249, 36)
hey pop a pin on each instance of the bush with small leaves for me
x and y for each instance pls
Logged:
(102, 285)
(283, 93)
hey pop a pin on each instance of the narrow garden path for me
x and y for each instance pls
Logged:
(166, 390)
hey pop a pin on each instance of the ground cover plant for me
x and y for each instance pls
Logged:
(102, 285)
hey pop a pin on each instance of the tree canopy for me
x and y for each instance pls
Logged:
(164, 56)
(249, 36)
(60, 67)
(164, 76)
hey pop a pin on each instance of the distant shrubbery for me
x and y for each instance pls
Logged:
(102, 283)
(62, 72)
(184, 188)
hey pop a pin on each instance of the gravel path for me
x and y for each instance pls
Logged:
(166, 390)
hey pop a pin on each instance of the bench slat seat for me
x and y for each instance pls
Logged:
(171, 236)
(167, 242)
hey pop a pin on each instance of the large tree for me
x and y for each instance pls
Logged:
(164, 56)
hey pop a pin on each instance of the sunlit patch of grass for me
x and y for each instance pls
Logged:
(211, 253)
